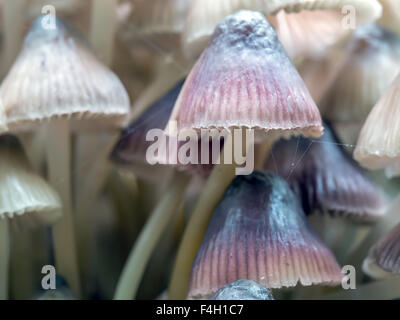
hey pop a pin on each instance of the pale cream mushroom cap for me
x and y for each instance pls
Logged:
(57, 76)
(25, 197)
(378, 145)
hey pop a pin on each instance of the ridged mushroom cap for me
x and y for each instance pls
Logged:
(244, 79)
(378, 144)
(25, 197)
(57, 76)
(326, 178)
(259, 232)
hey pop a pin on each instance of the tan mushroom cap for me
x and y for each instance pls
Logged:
(57, 76)
(371, 63)
(391, 15)
(323, 28)
(204, 15)
(378, 145)
(24, 195)
(244, 79)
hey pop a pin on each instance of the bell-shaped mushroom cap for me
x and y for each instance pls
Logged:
(384, 257)
(378, 145)
(259, 232)
(371, 64)
(326, 178)
(24, 193)
(244, 79)
(204, 15)
(391, 15)
(242, 290)
(56, 75)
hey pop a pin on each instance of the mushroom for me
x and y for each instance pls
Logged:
(371, 63)
(57, 79)
(384, 257)
(259, 232)
(242, 290)
(26, 199)
(243, 80)
(204, 15)
(378, 144)
(309, 33)
(326, 178)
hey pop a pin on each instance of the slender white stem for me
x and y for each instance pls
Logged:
(103, 28)
(59, 171)
(168, 206)
(13, 25)
(4, 257)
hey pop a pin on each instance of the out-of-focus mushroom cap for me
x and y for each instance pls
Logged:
(384, 257)
(259, 232)
(371, 64)
(326, 178)
(378, 145)
(57, 76)
(244, 79)
(25, 197)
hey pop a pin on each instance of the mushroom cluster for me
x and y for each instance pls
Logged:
(199, 149)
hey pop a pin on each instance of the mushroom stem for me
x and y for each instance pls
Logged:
(59, 171)
(13, 17)
(4, 258)
(220, 178)
(140, 254)
(101, 37)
